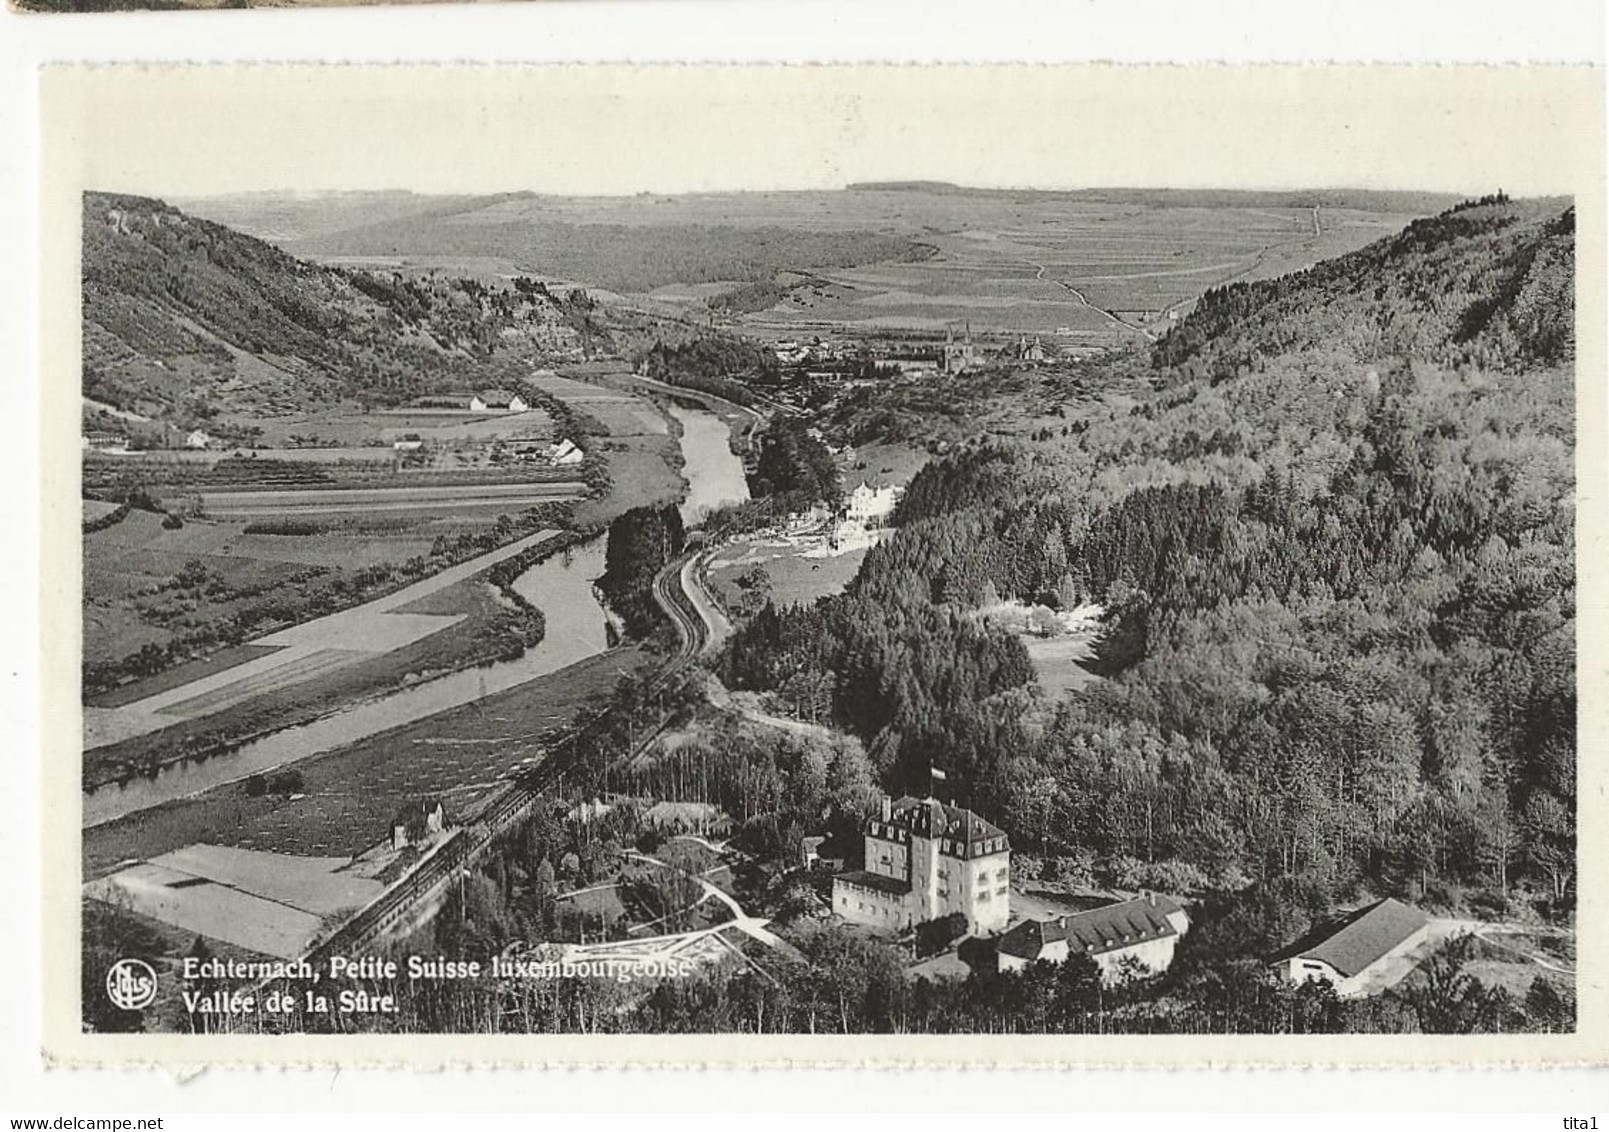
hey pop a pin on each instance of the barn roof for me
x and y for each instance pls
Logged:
(1360, 938)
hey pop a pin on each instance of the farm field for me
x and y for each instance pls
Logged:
(386, 426)
(127, 565)
(268, 903)
(349, 795)
(643, 472)
(1081, 275)
(299, 654)
(622, 414)
(429, 500)
(1088, 267)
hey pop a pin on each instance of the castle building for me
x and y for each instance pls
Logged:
(925, 860)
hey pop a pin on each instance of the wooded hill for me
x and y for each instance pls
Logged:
(185, 320)
(1336, 545)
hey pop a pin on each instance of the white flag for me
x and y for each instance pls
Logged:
(939, 774)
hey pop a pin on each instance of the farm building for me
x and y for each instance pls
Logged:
(410, 442)
(1141, 931)
(1364, 952)
(198, 439)
(105, 441)
(497, 401)
(820, 853)
(416, 822)
(565, 454)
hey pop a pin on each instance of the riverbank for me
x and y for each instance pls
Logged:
(452, 736)
(348, 796)
(278, 728)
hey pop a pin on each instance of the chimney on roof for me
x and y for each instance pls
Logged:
(1150, 897)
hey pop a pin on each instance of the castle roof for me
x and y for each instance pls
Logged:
(961, 832)
(933, 818)
(1096, 932)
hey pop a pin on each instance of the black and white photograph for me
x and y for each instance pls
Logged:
(981, 587)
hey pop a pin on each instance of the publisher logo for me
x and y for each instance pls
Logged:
(131, 984)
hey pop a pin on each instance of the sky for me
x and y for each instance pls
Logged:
(188, 132)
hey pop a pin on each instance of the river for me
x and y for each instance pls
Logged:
(714, 475)
(561, 587)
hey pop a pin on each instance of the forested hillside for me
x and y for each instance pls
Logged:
(1336, 551)
(185, 320)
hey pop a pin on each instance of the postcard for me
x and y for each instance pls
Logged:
(799, 565)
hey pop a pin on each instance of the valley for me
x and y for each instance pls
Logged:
(536, 576)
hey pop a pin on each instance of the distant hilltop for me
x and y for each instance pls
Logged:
(911, 187)
(1369, 200)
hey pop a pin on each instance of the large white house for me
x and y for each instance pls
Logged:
(925, 860)
(1366, 951)
(867, 504)
(1142, 931)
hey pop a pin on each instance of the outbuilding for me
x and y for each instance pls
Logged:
(1364, 952)
(1142, 932)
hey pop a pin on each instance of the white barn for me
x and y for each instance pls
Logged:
(1366, 951)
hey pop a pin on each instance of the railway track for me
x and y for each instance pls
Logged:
(405, 902)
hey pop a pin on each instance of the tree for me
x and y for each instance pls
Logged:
(1449, 1000)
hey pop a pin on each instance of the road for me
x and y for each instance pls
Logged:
(1081, 297)
(410, 901)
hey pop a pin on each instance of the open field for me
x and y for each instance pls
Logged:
(350, 794)
(268, 903)
(427, 500)
(147, 584)
(299, 654)
(794, 579)
(644, 471)
(1073, 275)
(623, 414)
(1056, 663)
(386, 426)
